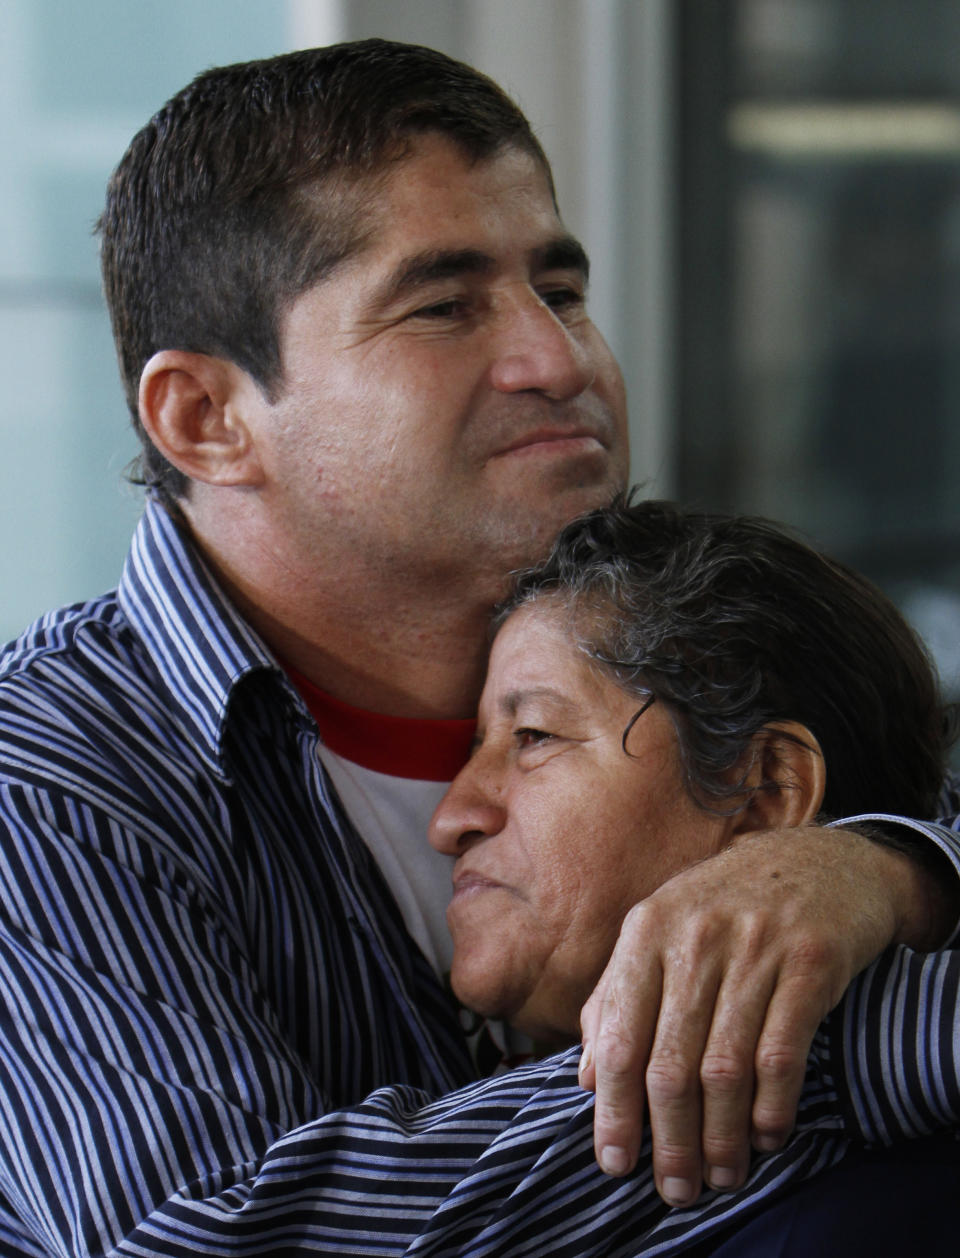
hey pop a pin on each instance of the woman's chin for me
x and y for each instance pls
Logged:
(509, 999)
(480, 986)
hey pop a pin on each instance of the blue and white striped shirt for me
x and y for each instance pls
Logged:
(216, 1036)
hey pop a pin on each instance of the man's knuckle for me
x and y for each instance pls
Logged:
(811, 953)
(615, 1051)
(637, 922)
(670, 1080)
(724, 1149)
(724, 1072)
(677, 1159)
(778, 1063)
(773, 1124)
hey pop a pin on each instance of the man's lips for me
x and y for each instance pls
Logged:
(550, 439)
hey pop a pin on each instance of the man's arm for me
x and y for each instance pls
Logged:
(150, 1105)
(896, 1047)
(719, 980)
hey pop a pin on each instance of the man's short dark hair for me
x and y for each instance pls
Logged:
(234, 199)
(734, 623)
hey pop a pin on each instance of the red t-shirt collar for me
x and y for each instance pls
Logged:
(403, 747)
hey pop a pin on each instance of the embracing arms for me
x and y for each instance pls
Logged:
(711, 1000)
(150, 1104)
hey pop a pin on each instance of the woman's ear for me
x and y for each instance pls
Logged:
(194, 407)
(786, 779)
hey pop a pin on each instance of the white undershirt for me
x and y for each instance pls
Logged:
(391, 815)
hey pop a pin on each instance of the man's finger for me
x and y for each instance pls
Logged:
(623, 1024)
(618, 1118)
(791, 1023)
(673, 1086)
(589, 1029)
(728, 1075)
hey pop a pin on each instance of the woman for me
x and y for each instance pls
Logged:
(663, 685)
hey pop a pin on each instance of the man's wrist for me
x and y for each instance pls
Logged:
(930, 899)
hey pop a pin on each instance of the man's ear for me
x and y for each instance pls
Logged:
(785, 781)
(194, 409)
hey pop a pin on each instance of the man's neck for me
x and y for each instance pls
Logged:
(375, 643)
(427, 669)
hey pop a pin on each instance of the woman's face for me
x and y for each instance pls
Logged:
(557, 831)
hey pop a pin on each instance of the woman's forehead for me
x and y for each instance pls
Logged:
(538, 652)
(536, 638)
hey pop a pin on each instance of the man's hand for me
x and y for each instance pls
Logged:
(716, 987)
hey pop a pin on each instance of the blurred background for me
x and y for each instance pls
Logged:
(769, 190)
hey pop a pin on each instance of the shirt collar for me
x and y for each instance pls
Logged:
(198, 641)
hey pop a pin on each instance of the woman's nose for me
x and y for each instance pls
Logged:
(469, 811)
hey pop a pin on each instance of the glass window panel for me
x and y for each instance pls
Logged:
(821, 283)
(76, 81)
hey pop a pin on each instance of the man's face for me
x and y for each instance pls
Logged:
(557, 831)
(447, 403)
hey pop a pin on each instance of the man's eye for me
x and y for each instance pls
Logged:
(452, 308)
(563, 298)
(531, 737)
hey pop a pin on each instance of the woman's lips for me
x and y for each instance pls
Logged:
(469, 884)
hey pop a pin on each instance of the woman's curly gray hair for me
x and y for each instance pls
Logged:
(733, 623)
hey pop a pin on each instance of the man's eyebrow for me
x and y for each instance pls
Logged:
(430, 266)
(565, 253)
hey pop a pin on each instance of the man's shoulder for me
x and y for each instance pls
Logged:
(88, 645)
(94, 755)
(80, 699)
(94, 745)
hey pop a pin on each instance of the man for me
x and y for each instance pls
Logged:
(352, 329)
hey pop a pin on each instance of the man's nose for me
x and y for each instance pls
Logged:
(538, 352)
(468, 812)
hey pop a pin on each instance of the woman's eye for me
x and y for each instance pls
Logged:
(531, 738)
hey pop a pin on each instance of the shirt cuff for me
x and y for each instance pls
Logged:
(933, 836)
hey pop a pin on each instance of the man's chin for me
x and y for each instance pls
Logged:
(538, 516)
